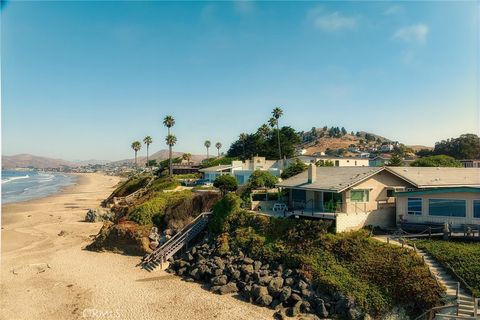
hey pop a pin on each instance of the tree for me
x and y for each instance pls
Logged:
(294, 169)
(148, 141)
(136, 146)
(395, 161)
(344, 131)
(276, 114)
(262, 179)
(207, 145)
(249, 145)
(218, 145)
(263, 131)
(169, 122)
(324, 163)
(467, 146)
(243, 138)
(436, 161)
(170, 140)
(152, 163)
(226, 183)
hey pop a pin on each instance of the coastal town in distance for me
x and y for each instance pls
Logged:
(240, 160)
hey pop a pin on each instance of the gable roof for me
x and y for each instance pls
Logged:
(438, 177)
(334, 179)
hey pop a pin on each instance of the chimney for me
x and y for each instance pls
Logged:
(312, 173)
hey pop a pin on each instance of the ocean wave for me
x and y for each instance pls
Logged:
(6, 180)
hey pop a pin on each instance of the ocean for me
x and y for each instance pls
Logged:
(26, 185)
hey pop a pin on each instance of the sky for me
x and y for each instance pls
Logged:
(82, 80)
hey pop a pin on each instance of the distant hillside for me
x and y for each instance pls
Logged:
(28, 160)
(159, 156)
(321, 139)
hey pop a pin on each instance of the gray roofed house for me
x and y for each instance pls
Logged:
(354, 197)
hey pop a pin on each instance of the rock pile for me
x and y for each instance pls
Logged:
(266, 284)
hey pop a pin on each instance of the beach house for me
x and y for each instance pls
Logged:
(242, 170)
(354, 197)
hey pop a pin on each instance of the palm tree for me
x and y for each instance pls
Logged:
(218, 145)
(276, 114)
(243, 138)
(136, 146)
(148, 141)
(169, 122)
(170, 140)
(207, 145)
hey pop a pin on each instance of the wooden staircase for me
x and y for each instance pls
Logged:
(160, 256)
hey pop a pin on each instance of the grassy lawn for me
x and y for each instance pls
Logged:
(463, 257)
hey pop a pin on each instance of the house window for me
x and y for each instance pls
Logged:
(337, 163)
(447, 207)
(476, 209)
(359, 195)
(389, 193)
(414, 206)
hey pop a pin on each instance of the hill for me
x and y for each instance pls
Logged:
(159, 156)
(320, 140)
(29, 160)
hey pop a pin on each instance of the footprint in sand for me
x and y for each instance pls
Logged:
(31, 268)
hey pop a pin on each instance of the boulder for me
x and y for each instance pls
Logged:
(247, 260)
(219, 280)
(247, 268)
(258, 291)
(285, 294)
(99, 215)
(280, 315)
(230, 287)
(302, 285)
(257, 265)
(289, 281)
(295, 310)
(153, 245)
(320, 309)
(275, 286)
(264, 300)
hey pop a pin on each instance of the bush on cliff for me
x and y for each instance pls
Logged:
(221, 210)
(131, 185)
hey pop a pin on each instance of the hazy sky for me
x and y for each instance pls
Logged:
(82, 80)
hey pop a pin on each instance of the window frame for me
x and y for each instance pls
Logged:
(446, 199)
(366, 195)
(414, 212)
(473, 208)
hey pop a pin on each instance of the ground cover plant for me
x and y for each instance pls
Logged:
(463, 257)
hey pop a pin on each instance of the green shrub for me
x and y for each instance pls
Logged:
(153, 210)
(463, 257)
(217, 161)
(131, 185)
(221, 210)
(294, 169)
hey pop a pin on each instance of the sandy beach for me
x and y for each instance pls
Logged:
(47, 274)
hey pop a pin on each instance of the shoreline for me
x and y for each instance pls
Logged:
(47, 274)
(60, 190)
